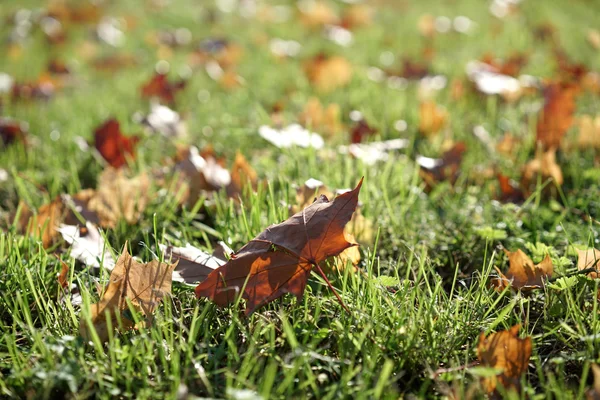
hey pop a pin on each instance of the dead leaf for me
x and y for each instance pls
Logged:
(432, 118)
(279, 259)
(144, 285)
(63, 275)
(373, 152)
(593, 38)
(317, 14)
(361, 130)
(165, 121)
(44, 223)
(544, 165)
(447, 168)
(89, 248)
(291, 135)
(489, 81)
(589, 132)
(593, 393)
(511, 67)
(158, 86)
(242, 175)
(327, 73)
(506, 351)
(557, 115)
(589, 259)
(508, 144)
(193, 264)
(509, 190)
(324, 119)
(12, 131)
(43, 88)
(357, 16)
(112, 145)
(522, 273)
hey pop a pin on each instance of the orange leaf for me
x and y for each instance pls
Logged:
(159, 86)
(544, 165)
(589, 259)
(112, 145)
(280, 259)
(432, 118)
(557, 114)
(360, 131)
(522, 273)
(506, 351)
(328, 73)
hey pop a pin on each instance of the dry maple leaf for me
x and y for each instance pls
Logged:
(544, 165)
(89, 248)
(432, 118)
(193, 264)
(522, 273)
(144, 285)
(589, 259)
(280, 259)
(328, 73)
(557, 114)
(112, 145)
(159, 86)
(506, 351)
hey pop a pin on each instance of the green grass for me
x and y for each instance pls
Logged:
(421, 298)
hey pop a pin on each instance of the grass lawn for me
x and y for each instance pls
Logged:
(420, 296)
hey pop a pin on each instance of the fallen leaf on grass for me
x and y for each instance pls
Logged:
(12, 131)
(89, 248)
(509, 191)
(158, 86)
(112, 145)
(373, 152)
(511, 66)
(193, 264)
(488, 80)
(506, 351)
(593, 393)
(360, 131)
(522, 273)
(144, 285)
(589, 132)
(44, 223)
(165, 121)
(446, 168)
(589, 259)
(280, 259)
(544, 165)
(324, 119)
(557, 115)
(432, 118)
(357, 16)
(317, 14)
(328, 73)
(43, 88)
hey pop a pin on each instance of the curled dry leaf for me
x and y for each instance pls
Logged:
(280, 259)
(544, 165)
(557, 115)
(143, 285)
(432, 118)
(327, 73)
(89, 248)
(506, 351)
(158, 86)
(112, 145)
(589, 259)
(193, 264)
(522, 273)
(323, 119)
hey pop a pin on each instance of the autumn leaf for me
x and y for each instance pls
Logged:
(159, 86)
(557, 115)
(193, 264)
(506, 351)
(544, 165)
(357, 16)
(328, 73)
(593, 393)
(589, 259)
(242, 174)
(87, 245)
(511, 66)
(589, 132)
(144, 285)
(112, 145)
(326, 119)
(522, 273)
(280, 259)
(317, 14)
(446, 168)
(43, 88)
(44, 223)
(12, 131)
(432, 118)
(360, 131)
(509, 192)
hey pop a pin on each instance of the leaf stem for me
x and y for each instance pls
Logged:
(331, 287)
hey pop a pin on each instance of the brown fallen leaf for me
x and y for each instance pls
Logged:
(589, 132)
(327, 73)
(593, 38)
(12, 131)
(360, 131)
(357, 16)
(593, 393)
(446, 168)
(589, 259)
(506, 351)
(280, 259)
(242, 174)
(44, 223)
(508, 144)
(522, 273)
(509, 191)
(112, 145)
(432, 118)
(144, 285)
(41, 89)
(511, 66)
(193, 264)
(158, 86)
(544, 165)
(317, 14)
(63, 276)
(557, 114)
(319, 118)
(87, 245)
